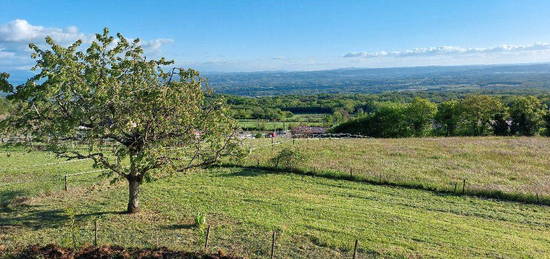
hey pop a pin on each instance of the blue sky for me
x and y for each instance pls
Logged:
(293, 35)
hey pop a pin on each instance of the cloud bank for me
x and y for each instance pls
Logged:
(450, 50)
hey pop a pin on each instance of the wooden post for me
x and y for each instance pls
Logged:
(538, 200)
(95, 232)
(207, 235)
(455, 187)
(355, 249)
(351, 173)
(463, 186)
(273, 245)
(66, 188)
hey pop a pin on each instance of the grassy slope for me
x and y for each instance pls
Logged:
(514, 164)
(317, 217)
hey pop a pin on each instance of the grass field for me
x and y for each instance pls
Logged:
(510, 164)
(315, 217)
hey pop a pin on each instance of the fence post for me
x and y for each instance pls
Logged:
(355, 249)
(455, 187)
(207, 235)
(66, 189)
(463, 186)
(95, 232)
(273, 245)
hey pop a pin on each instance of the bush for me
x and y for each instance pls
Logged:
(288, 158)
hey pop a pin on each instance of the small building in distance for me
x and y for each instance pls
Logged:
(307, 131)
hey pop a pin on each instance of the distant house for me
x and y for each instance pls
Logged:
(307, 131)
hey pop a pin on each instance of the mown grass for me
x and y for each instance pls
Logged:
(316, 217)
(33, 172)
(514, 165)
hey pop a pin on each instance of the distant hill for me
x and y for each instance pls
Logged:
(530, 78)
(513, 79)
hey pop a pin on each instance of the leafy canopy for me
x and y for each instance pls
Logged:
(111, 93)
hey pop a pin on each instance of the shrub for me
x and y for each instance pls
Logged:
(288, 158)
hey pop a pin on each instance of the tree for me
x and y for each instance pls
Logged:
(157, 122)
(387, 121)
(527, 114)
(447, 117)
(420, 114)
(546, 118)
(477, 113)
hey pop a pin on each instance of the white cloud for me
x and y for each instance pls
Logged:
(155, 44)
(22, 31)
(16, 35)
(449, 50)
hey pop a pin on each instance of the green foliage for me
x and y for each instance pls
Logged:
(527, 114)
(477, 113)
(5, 86)
(419, 115)
(447, 118)
(336, 117)
(391, 120)
(288, 158)
(546, 118)
(200, 221)
(111, 92)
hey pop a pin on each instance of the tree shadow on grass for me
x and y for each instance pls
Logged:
(14, 212)
(247, 173)
(10, 199)
(32, 217)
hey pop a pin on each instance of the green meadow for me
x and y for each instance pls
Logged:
(312, 216)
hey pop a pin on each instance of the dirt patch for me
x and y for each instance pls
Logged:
(54, 251)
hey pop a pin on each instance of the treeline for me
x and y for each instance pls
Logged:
(339, 108)
(277, 108)
(475, 115)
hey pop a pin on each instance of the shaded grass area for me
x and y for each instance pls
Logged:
(498, 166)
(314, 216)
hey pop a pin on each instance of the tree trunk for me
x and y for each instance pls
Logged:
(133, 198)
